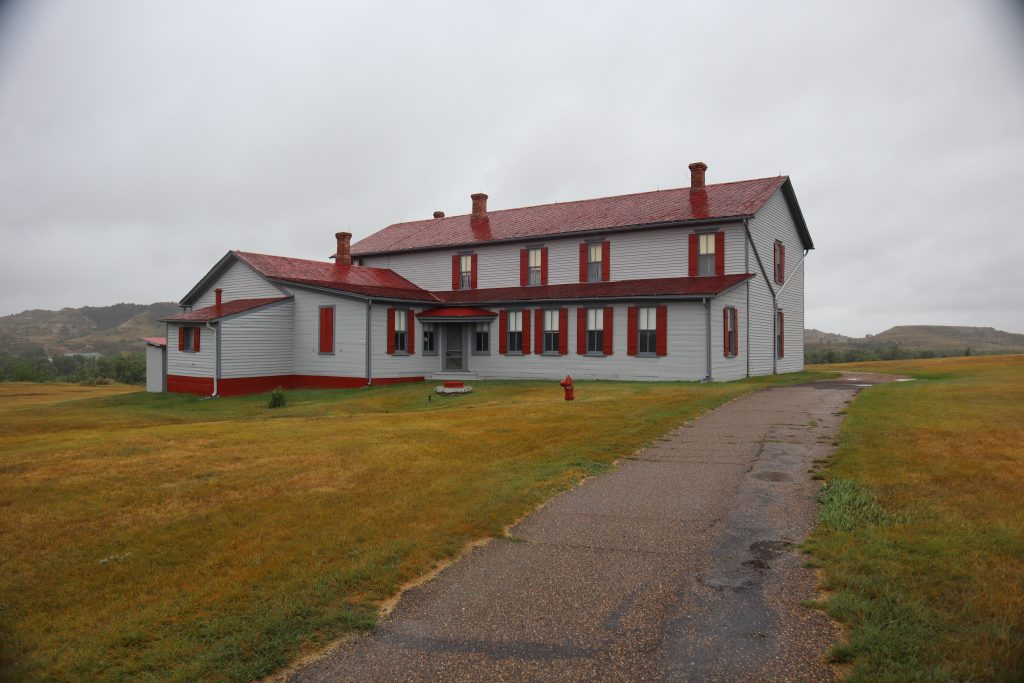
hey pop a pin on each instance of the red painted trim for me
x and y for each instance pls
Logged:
(455, 271)
(538, 331)
(410, 328)
(563, 331)
(326, 330)
(472, 272)
(608, 331)
(606, 261)
(239, 386)
(661, 336)
(581, 331)
(526, 331)
(391, 331)
(719, 253)
(181, 337)
(195, 339)
(782, 335)
(725, 332)
(583, 261)
(524, 267)
(632, 330)
(736, 328)
(543, 265)
(693, 254)
(503, 332)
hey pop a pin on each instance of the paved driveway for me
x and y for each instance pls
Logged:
(678, 565)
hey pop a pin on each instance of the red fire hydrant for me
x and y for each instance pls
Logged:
(567, 385)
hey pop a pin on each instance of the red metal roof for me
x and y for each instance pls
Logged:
(456, 312)
(725, 200)
(155, 341)
(355, 279)
(227, 308)
(667, 286)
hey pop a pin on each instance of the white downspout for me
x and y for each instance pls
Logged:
(216, 357)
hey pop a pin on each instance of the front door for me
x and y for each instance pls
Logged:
(454, 351)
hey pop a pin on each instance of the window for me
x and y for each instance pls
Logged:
(551, 331)
(647, 331)
(706, 254)
(326, 330)
(534, 266)
(515, 331)
(429, 339)
(780, 334)
(594, 254)
(466, 271)
(401, 335)
(188, 339)
(595, 330)
(780, 262)
(730, 332)
(482, 338)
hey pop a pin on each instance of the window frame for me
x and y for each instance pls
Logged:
(780, 273)
(510, 333)
(431, 348)
(594, 267)
(190, 338)
(706, 257)
(534, 270)
(551, 336)
(401, 331)
(595, 333)
(651, 333)
(476, 351)
(732, 332)
(780, 334)
(465, 271)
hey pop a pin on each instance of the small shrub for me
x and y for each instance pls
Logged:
(278, 398)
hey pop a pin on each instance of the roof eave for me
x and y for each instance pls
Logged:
(798, 215)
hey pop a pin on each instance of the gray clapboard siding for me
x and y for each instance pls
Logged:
(258, 343)
(349, 358)
(187, 363)
(387, 365)
(635, 255)
(774, 222)
(726, 369)
(239, 281)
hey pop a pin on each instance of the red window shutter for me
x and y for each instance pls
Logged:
(524, 267)
(606, 261)
(719, 253)
(410, 329)
(563, 330)
(608, 331)
(526, 332)
(782, 262)
(583, 261)
(543, 265)
(472, 272)
(736, 330)
(632, 316)
(782, 334)
(693, 254)
(326, 330)
(581, 331)
(503, 332)
(661, 336)
(391, 330)
(181, 337)
(775, 263)
(538, 331)
(455, 271)
(725, 332)
(195, 339)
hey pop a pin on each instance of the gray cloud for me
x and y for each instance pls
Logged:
(139, 141)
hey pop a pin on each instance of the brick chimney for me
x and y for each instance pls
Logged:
(479, 205)
(439, 214)
(343, 257)
(697, 170)
(218, 300)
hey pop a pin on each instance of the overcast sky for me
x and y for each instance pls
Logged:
(141, 140)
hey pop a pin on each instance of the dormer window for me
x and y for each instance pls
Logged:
(534, 266)
(706, 254)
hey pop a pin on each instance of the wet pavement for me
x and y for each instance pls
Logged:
(680, 564)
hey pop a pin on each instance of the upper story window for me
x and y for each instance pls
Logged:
(551, 329)
(595, 330)
(780, 262)
(482, 338)
(466, 271)
(706, 254)
(594, 259)
(647, 330)
(515, 331)
(429, 339)
(534, 266)
(401, 333)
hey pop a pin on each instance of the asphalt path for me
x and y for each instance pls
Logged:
(680, 564)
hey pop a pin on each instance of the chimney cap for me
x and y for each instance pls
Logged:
(478, 195)
(698, 165)
(342, 235)
(697, 170)
(439, 214)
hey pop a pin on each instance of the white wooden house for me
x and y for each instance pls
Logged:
(699, 283)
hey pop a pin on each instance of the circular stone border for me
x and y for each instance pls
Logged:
(449, 391)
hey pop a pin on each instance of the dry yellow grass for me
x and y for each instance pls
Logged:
(160, 536)
(935, 591)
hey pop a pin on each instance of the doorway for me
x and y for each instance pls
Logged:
(454, 347)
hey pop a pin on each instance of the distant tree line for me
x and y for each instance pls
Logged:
(34, 365)
(887, 352)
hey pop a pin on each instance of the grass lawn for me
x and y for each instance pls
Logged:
(922, 534)
(165, 537)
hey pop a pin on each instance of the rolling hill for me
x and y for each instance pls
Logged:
(938, 338)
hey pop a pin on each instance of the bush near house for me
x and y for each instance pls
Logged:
(163, 537)
(921, 539)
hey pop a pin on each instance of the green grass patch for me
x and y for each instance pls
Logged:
(921, 535)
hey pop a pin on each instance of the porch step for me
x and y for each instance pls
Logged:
(454, 376)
